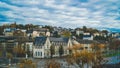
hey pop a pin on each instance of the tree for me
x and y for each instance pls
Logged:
(105, 31)
(81, 57)
(98, 61)
(25, 63)
(61, 50)
(13, 25)
(66, 34)
(52, 50)
(18, 33)
(84, 28)
(9, 56)
(80, 36)
(100, 38)
(1, 30)
(20, 26)
(114, 44)
(55, 34)
(49, 27)
(95, 47)
(19, 51)
(52, 64)
(28, 26)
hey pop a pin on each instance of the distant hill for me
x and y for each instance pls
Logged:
(113, 29)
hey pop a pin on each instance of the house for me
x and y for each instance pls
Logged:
(115, 34)
(29, 32)
(87, 44)
(118, 37)
(40, 32)
(87, 37)
(96, 34)
(24, 32)
(7, 44)
(9, 31)
(19, 33)
(41, 48)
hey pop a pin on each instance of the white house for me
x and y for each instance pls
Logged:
(41, 48)
(96, 34)
(88, 37)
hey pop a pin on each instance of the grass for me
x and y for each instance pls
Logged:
(116, 53)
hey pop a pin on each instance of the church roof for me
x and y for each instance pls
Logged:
(40, 41)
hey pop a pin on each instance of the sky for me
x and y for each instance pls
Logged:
(101, 14)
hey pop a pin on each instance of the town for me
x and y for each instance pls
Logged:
(38, 46)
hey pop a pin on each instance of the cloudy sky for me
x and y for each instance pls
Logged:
(65, 13)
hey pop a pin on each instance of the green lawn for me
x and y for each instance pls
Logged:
(112, 54)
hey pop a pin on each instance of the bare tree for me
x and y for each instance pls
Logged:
(52, 64)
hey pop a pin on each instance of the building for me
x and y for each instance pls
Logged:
(7, 44)
(87, 44)
(78, 32)
(115, 34)
(96, 34)
(19, 33)
(40, 32)
(9, 31)
(29, 32)
(87, 37)
(118, 37)
(41, 48)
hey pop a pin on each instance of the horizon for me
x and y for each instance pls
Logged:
(108, 29)
(98, 14)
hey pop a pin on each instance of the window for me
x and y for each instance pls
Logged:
(36, 53)
(86, 47)
(65, 51)
(41, 54)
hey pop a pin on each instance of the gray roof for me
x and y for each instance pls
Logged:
(40, 41)
(6, 38)
(59, 41)
(91, 41)
(53, 39)
(86, 41)
(29, 31)
(9, 29)
(87, 36)
(40, 30)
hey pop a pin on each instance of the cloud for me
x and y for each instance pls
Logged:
(65, 13)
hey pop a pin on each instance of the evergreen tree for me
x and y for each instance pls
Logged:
(52, 50)
(84, 28)
(61, 50)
